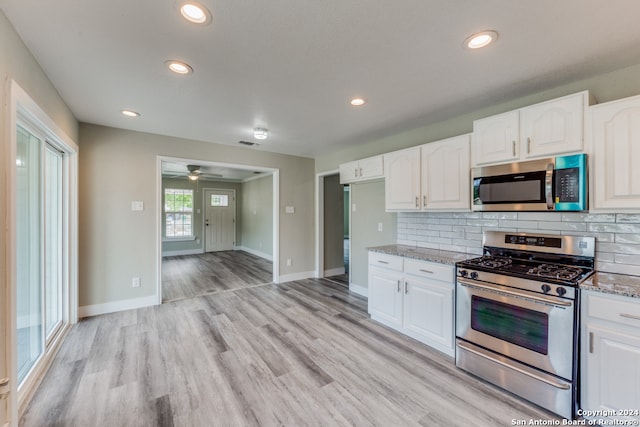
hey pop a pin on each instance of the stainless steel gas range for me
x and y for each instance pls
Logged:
(517, 315)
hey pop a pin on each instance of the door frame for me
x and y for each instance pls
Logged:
(204, 219)
(275, 173)
(319, 191)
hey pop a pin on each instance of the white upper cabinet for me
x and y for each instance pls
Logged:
(615, 144)
(541, 130)
(402, 180)
(445, 174)
(362, 170)
(553, 127)
(434, 176)
(495, 139)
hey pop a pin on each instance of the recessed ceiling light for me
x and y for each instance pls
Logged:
(356, 102)
(195, 12)
(260, 133)
(179, 67)
(482, 39)
(130, 113)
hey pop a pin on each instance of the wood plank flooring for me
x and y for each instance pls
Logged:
(302, 353)
(190, 276)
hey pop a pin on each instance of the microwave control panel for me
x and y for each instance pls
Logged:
(568, 185)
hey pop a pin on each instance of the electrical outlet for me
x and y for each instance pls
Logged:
(353, 207)
(289, 262)
(135, 282)
(379, 226)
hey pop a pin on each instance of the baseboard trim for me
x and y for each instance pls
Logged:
(183, 252)
(296, 276)
(254, 252)
(112, 307)
(334, 272)
(360, 290)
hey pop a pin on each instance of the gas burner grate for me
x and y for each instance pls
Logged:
(489, 261)
(561, 272)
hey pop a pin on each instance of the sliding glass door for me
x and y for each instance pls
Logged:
(39, 247)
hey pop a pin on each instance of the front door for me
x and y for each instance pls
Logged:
(219, 220)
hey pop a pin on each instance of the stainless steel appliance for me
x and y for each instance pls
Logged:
(517, 315)
(557, 183)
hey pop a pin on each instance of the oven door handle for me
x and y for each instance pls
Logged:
(537, 298)
(551, 382)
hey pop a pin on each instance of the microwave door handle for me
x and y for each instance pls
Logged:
(548, 186)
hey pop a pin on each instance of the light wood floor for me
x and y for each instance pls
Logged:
(295, 354)
(195, 275)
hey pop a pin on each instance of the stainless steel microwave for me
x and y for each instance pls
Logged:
(552, 184)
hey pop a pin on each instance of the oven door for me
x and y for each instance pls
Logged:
(532, 328)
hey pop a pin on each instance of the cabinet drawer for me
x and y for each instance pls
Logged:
(613, 308)
(429, 270)
(385, 261)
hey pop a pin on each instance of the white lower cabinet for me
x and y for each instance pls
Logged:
(610, 356)
(414, 297)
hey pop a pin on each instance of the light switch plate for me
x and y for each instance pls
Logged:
(137, 205)
(289, 209)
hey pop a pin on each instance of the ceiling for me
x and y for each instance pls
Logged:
(208, 171)
(292, 66)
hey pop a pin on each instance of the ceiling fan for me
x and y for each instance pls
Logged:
(194, 172)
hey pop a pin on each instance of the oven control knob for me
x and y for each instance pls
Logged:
(561, 291)
(463, 273)
(545, 288)
(474, 275)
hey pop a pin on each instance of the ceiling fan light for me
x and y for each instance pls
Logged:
(193, 176)
(260, 133)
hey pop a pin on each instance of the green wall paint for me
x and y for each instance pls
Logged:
(256, 216)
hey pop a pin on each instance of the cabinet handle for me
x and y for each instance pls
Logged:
(630, 316)
(426, 271)
(383, 262)
(398, 285)
(528, 145)
(355, 172)
(360, 172)
(417, 202)
(424, 201)
(590, 342)
(514, 148)
(406, 287)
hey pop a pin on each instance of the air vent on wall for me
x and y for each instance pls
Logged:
(249, 143)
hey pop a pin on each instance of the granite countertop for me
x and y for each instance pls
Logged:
(611, 283)
(423, 254)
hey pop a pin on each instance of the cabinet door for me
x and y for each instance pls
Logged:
(446, 179)
(495, 139)
(428, 312)
(385, 296)
(348, 172)
(613, 370)
(371, 168)
(616, 154)
(553, 127)
(402, 180)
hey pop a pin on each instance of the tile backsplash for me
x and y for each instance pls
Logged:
(617, 235)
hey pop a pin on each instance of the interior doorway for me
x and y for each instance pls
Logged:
(255, 191)
(333, 225)
(219, 220)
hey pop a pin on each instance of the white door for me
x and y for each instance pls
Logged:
(219, 220)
